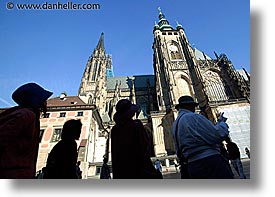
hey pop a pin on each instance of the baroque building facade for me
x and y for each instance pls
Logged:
(63, 108)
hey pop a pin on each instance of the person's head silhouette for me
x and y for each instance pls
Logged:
(71, 130)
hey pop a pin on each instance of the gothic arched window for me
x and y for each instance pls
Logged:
(94, 71)
(174, 51)
(214, 86)
(143, 104)
(90, 100)
(184, 87)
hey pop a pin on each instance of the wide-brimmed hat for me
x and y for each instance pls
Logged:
(125, 110)
(186, 100)
(31, 95)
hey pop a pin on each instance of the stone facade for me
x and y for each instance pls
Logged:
(183, 70)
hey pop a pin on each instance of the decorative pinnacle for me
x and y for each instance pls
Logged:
(159, 9)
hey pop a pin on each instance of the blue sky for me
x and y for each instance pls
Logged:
(52, 47)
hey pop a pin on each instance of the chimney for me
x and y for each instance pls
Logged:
(63, 95)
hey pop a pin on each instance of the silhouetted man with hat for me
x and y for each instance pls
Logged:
(196, 141)
(130, 148)
(20, 130)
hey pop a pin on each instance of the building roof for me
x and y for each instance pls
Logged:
(65, 101)
(125, 82)
(200, 55)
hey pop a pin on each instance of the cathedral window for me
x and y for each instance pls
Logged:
(90, 100)
(215, 88)
(94, 72)
(174, 51)
(183, 85)
(99, 69)
(159, 100)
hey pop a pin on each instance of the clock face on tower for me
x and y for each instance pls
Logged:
(173, 48)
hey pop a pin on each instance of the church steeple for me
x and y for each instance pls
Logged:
(93, 84)
(163, 22)
(100, 44)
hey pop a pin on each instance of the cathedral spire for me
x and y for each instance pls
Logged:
(163, 23)
(101, 42)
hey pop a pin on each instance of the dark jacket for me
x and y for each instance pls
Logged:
(105, 172)
(233, 150)
(61, 163)
(130, 150)
(19, 141)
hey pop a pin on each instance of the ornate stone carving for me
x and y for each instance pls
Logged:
(178, 65)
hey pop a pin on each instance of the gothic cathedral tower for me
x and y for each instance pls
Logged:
(92, 89)
(175, 66)
(215, 84)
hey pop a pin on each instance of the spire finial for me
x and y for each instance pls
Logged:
(101, 41)
(163, 23)
(179, 26)
(159, 9)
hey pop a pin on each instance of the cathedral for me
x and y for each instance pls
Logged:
(179, 69)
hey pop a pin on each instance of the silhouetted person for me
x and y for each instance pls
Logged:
(19, 132)
(105, 170)
(176, 165)
(130, 145)
(78, 170)
(225, 155)
(247, 152)
(41, 172)
(234, 156)
(158, 165)
(197, 142)
(61, 163)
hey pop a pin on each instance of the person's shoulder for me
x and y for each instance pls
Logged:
(67, 142)
(234, 144)
(24, 115)
(25, 112)
(190, 115)
(137, 121)
(18, 111)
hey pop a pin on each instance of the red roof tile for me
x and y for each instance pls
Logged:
(66, 101)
